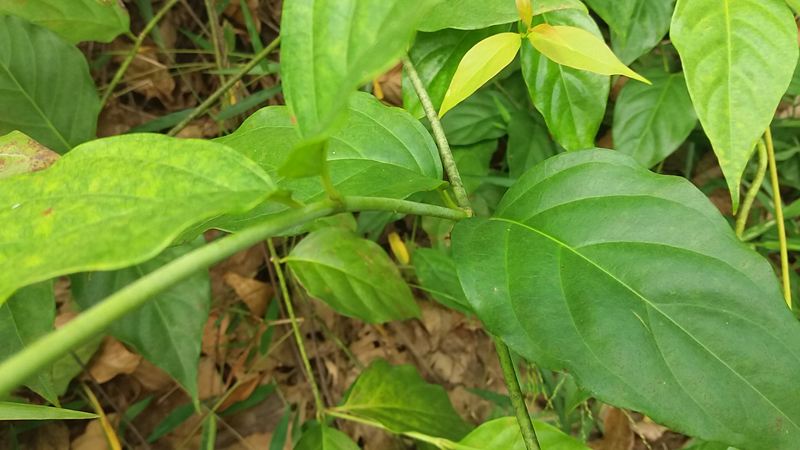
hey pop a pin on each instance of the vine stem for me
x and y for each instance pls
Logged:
(776, 198)
(298, 337)
(741, 218)
(203, 107)
(23, 365)
(137, 44)
(449, 163)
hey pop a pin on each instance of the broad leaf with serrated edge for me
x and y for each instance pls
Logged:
(400, 400)
(482, 62)
(636, 25)
(48, 93)
(738, 57)
(168, 329)
(330, 47)
(379, 151)
(323, 437)
(476, 14)
(572, 101)
(74, 20)
(115, 202)
(353, 275)
(650, 122)
(504, 434)
(635, 284)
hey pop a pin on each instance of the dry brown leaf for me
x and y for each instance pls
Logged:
(241, 392)
(649, 430)
(53, 435)
(209, 380)
(113, 359)
(151, 377)
(93, 438)
(617, 431)
(255, 294)
(149, 76)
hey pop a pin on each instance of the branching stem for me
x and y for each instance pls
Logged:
(744, 212)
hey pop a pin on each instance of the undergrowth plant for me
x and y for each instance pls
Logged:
(580, 260)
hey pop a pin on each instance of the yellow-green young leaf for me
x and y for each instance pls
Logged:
(525, 10)
(479, 65)
(574, 47)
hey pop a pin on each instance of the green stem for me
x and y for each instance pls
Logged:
(744, 212)
(298, 337)
(35, 357)
(445, 153)
(135, 50)
(776, 198)
(203, 107)
(517, 399)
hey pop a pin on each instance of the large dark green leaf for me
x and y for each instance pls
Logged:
(168, 329)
(322, 437)
(651, 121)
(436, 57)
(74, 20)
(474, 14)
(572, 101)
(25, 317)
(379, 151)
(400, 400)
(635, 284)
(739, 57)
(504, 434)
(529, 143)
(47, 92)
(115, 202)
(353, 275)
(330, 47)
(636, 25)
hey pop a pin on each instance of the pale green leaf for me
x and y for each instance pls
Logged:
(636, 25)
(476, 14)
(330, 47)
(21, 154)
(322, 437)
(399, 399)
(73, 20)
(572, 101)
(795, 4)
(650, 122)
(168, 329)
(48, 93)
(24, 411)
(482, 62)
(504, 434)
(115, 202)
(738, 57)
(650, 300)
(353, 275)
(579, 49)
(525, 10)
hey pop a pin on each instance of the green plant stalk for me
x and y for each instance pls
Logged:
(445, 153)
(509, 374)
(208, 102)
(213, 23)
(744, 212)
(776, 198)
(20, 367)
(135, 50)
(298, 337)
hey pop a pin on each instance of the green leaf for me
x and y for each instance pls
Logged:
(795, 4)
(739, 57)
(400, 400)
(635, 284)
(479, 65)
(379, 151)
(167, 330)
(307, 159)
(354, 276)
(321, 437)
(636, 25)
(73, 20)
(330, 47)
(24, 411)
(26, 316)
(579, 49)
(48, 93)
(475, 14)
(436, 57)
(478, 118)
(572, 101)
(473, 162)
(504, 434)
(436, 272)
(650, 122)
(21, 154)
(115, 202)
(529, 143)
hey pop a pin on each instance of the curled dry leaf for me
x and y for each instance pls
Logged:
(617, 431)
(255, 294)
(113, 359)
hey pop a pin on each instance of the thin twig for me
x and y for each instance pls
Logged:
(744, 212)
(517, 399)
(776, 198)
